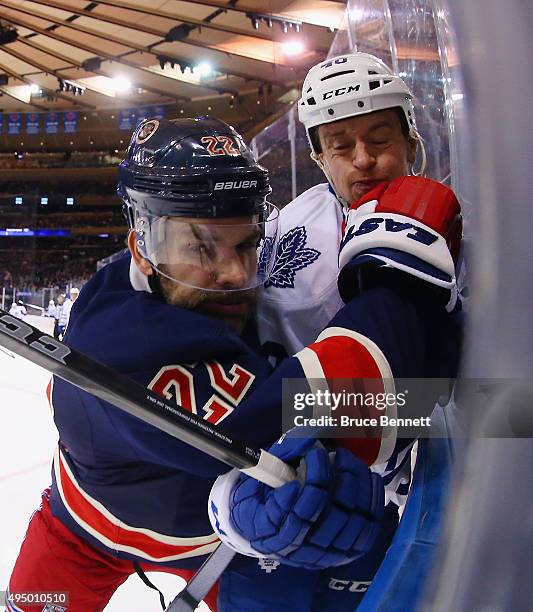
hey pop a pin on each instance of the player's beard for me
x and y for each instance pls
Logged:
(235, 308)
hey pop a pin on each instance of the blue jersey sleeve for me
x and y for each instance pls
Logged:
(383, 334)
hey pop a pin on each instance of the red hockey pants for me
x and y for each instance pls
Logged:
(53, 559)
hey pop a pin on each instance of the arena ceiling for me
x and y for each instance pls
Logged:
(58, 55)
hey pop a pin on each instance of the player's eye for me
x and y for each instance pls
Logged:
(199, 248)
(341, 146)
(381, 137)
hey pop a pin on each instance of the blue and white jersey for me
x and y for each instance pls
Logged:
(301, 296)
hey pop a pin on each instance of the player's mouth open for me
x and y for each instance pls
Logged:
(363, 187)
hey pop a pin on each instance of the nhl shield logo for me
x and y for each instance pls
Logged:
(146, 131)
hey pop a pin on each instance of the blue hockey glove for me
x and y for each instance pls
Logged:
(330, 518)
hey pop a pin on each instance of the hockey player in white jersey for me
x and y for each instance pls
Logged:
(18, 309)
(360, 123)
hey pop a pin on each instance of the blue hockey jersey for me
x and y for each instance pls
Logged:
(139, 493)
(119, 482)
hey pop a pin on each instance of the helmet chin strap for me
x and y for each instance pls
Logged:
(423, 162)
(155, 283)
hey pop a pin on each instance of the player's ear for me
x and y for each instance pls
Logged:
(139, 260)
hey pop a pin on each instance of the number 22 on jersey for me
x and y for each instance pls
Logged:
(176, 381)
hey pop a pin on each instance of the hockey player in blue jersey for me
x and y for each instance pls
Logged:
(177, 316)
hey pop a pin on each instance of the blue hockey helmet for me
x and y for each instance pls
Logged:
(185, 184)
(193, 168)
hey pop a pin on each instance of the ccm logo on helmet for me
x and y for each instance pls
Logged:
(235, 185)
(371, 225)
(339, 92)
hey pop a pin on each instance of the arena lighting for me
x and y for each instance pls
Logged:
(357, 14)
(93, 64)
(34, 88)
(44, 201)
(70, 201)
(164, 60)
(284, 23)
(19, 200)
(292, 47)
(179, 32)
(121, 84)
(77, 90)
(204, 69)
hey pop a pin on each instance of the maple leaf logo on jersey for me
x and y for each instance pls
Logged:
(291, 256)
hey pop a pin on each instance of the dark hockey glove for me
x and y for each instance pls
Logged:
(329, 518)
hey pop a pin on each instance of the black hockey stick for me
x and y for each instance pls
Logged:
(92, 376)
(103, 382)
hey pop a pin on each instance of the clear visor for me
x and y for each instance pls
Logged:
(234, 254)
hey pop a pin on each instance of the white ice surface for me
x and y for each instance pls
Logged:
(28, 438)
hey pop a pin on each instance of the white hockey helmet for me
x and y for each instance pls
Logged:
(350, 85)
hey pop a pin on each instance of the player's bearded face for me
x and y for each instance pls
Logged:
(209, 267)
(234, 308)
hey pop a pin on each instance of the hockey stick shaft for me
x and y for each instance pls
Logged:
(92, 376)
(203, 580)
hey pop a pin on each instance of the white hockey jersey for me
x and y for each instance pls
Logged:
(301, 295)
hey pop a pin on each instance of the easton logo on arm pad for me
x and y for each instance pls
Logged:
(373, 223)
(399, 242)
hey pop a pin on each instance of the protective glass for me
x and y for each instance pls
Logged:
(233, 254)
